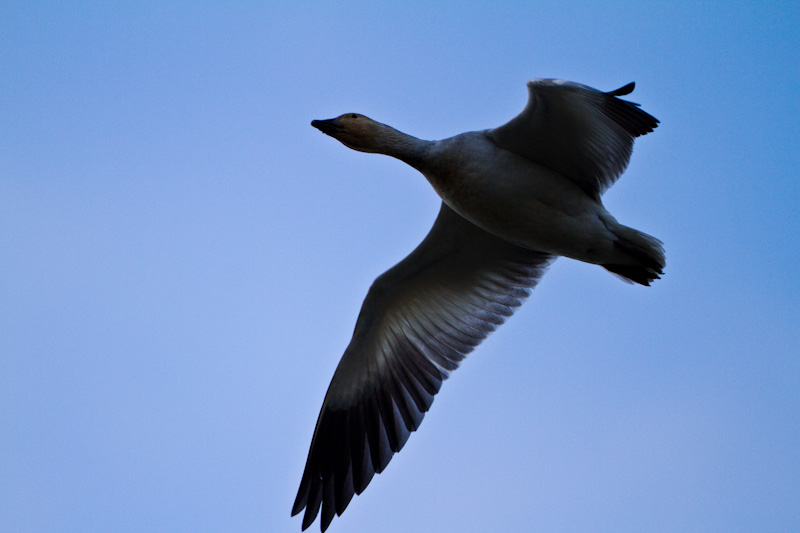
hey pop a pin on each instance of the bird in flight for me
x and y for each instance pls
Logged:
(513, 199)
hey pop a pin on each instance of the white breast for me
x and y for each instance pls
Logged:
(517, 199)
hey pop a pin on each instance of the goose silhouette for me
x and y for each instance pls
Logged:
(513, 199)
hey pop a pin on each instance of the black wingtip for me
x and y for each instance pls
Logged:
(622, 91)
(302, 493)
(628, 114)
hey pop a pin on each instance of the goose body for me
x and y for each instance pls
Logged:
(519, 200)
(513, 199)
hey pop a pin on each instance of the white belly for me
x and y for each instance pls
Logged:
(522, 202)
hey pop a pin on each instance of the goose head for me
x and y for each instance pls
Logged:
(360, 133)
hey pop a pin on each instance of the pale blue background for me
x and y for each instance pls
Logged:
(183, 259)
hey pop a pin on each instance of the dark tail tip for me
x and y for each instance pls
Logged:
(635, 274)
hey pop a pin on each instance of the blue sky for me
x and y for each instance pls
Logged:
(184, 258)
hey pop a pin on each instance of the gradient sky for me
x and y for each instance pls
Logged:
(183, 259)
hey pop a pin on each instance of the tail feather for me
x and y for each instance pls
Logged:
(646, 253)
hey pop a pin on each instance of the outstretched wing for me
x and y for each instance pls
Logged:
(418, 321)
(582, 133)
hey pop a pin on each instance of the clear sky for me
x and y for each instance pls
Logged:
(184, 256)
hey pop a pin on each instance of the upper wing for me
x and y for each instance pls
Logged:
(582, 133)
(419, 320)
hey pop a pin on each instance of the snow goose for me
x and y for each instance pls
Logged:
(513, 199)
